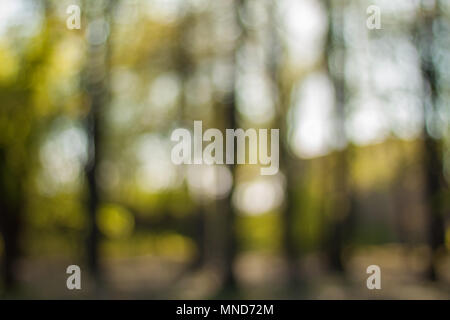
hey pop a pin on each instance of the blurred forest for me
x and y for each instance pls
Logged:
(86, 176)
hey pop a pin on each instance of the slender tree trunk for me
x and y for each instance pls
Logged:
(97, 87)
(230, 245)
(10, 220)
(335, 50)
(289, 245)
(185, 66)
(93, 191)
(433, 163)
(281, 93)
(229, 279)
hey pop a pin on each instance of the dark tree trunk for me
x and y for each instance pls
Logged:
(92, 250)
(97, 88)
(185, 66)
(342, 204)
(436, 223)
(433, 163)
(281, 93)
(288, 240)
(226, 206)
(229, 279)
(11, 201)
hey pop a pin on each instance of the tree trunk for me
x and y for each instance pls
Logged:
(281, 95)
(229, 279)
(10, 220)
(335, 50)
(97, 87)
(432, 153)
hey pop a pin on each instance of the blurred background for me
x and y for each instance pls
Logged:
(86, 176)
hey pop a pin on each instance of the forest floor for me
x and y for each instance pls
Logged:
(260, 276)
